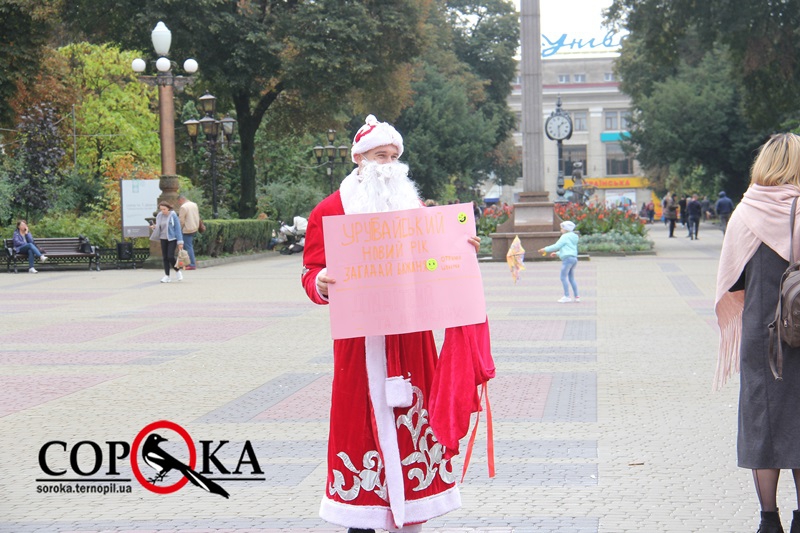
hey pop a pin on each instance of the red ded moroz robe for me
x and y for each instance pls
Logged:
(385, 467)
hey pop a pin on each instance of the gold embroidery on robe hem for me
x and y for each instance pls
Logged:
(428, 453)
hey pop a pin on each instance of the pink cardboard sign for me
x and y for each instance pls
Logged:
(403, 271)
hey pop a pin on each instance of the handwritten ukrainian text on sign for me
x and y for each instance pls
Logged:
(403, 271)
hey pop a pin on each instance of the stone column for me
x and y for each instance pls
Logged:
(533, 219)
(532, 112)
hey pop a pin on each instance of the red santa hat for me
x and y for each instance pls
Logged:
(373, 134)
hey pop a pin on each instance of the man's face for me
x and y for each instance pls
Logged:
(387, 153)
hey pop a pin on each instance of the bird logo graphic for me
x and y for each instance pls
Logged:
(163, 463)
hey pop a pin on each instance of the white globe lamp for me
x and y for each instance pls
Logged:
(190, 66)
(163, 64)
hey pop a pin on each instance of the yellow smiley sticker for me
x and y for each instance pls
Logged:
(432, 264)
(462, 217)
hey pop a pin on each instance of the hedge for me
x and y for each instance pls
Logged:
(233, 236)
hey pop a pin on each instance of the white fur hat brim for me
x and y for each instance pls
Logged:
(373, 134)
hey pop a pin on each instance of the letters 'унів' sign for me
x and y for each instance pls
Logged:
(403, 271)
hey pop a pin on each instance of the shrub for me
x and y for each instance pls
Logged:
(284, 201)
(70, 225)
(233, 236)
(614, 241)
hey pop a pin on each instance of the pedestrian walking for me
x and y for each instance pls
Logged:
(723, 208)
(671, 213)
(167, 231)
(664, 201)
(682, 211)
(566, 247)
(754, 256)
(190, 224)
(694, 211)
(706, 205)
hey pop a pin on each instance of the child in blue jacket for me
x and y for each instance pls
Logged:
(567, 249)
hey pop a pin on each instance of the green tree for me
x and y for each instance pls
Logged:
(458, 125)
(448, 137)
(486, 38)
(34, 177)
(693, 122)
(312, 57)
(25, 27)
(761, 35)
(114, 114)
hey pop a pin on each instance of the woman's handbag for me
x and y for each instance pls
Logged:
(785, 328)
(202, 227)
(183, 260)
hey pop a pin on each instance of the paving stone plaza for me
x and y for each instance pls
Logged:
(604, 417)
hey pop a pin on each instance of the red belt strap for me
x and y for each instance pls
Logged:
(489, 436)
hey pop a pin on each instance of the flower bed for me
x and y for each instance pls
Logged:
(493, 216)
(606, 230)
(590, 219)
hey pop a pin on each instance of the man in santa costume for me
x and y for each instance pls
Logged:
(386, 470)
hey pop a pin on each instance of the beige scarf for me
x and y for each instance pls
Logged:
(762, 216)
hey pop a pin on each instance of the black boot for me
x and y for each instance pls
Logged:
(356, 530)
(795, 522)
(770, 522)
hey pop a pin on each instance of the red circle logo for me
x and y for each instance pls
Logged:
(161, 424)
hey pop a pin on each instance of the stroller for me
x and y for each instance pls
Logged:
(293, 238)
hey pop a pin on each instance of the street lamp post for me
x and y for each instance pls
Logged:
(329, 153)
(167, 83)
(211, 129)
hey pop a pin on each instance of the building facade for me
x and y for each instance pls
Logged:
(600, 116)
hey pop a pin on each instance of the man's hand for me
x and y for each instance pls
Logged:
(323, 281)
(476, 242)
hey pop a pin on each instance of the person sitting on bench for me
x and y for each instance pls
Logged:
(24, 244)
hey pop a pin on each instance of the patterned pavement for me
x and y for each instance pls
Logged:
(603, 415)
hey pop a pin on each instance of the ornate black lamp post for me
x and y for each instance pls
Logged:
(211, 129)
(558, 127)
(330, 151)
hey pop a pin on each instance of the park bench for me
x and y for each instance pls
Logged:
(59, 250)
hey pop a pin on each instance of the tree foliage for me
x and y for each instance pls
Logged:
(761, 35)
(309, 55)
(34, 177)
(458, 125)
(697, 118)
(486, 37)
(694, 120)
(25, 27)
(114, 115)
(449, 138)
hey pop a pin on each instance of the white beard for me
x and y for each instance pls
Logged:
(379, 188)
